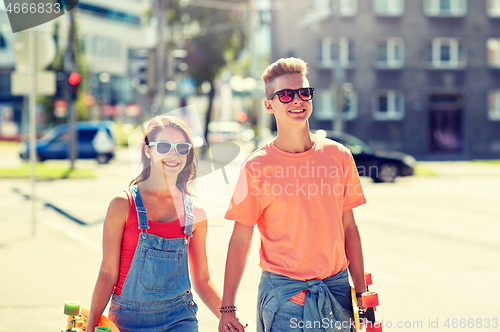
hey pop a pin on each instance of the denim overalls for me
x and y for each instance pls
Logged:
(156, 295)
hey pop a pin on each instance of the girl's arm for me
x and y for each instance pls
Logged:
(114, 224)
(202, 281)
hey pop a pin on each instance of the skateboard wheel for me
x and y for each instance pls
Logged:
(71, 308)
(375, 327)
(101, 328)
(368, 278)
(370, 299)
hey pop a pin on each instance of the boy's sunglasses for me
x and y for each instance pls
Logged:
(287, 95)
(163, 147)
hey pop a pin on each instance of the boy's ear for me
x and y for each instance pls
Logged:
(269, 107)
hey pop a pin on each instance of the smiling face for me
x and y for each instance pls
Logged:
(172, 163)
(295, 113)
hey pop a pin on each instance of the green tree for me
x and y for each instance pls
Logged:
(213, 33)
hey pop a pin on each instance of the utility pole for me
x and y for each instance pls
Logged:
(256, 107)
(32, 123)
(69, 65)
(338, 73)
(161, 55)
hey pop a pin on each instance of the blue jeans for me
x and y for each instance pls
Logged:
(288, 318)
(327, 307)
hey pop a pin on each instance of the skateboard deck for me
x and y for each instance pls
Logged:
(364, 316)
(77, 319)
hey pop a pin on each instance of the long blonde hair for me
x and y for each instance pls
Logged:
(185, 179)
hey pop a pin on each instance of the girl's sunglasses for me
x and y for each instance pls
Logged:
(287, 95)
(181, 148)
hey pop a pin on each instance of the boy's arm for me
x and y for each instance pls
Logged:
(237, 255)
(353, 251)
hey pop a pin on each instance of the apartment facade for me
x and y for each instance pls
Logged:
(421, 76)
(108, 30)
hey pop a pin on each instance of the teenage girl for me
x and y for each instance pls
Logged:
(153, 231)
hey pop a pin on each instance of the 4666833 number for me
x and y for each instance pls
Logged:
(472, 323)
(33, 8)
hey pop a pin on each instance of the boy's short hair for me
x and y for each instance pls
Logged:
(282, 67)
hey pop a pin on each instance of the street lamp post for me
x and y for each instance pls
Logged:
(161, 52)
(338, 73)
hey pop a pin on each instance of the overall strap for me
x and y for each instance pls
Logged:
(142, 217)
(189, 216)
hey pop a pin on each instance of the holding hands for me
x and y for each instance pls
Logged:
(229, 322)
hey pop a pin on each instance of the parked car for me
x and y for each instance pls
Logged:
(381, 166)
(95, 139)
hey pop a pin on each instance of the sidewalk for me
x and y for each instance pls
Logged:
(39, 273)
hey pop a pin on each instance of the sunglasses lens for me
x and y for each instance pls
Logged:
(286, 96)
(163, 147)
(305, 94)
(183, 149)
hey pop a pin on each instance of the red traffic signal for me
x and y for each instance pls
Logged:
(242, 117)
(74, 78)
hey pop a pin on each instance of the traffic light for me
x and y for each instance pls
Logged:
(74, 81)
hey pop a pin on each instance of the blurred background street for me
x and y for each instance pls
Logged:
(431, 243)
(411, 87)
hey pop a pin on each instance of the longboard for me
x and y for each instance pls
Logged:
(364, 316)
(77, 319)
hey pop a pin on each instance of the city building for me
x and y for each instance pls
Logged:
(421, 76)
(108, 30)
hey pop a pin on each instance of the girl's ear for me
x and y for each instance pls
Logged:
(147, 151)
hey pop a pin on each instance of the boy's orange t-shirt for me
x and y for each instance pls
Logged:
(297, 200)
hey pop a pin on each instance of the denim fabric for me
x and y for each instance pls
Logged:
(156, 295)
(327, 307)
(288, 318)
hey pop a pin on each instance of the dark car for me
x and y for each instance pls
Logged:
(94, 140)
(381, 166)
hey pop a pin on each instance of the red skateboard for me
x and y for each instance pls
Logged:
(366, 317)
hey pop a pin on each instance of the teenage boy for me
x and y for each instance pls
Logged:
(300, 191)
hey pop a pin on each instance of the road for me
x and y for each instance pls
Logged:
(431, 243)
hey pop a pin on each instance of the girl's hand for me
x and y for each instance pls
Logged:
(230, 323)
(229, 327)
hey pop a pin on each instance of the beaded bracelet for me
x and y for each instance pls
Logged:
(227, 309)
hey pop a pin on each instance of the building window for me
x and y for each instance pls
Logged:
(3, 42)
(447, 53)
(326, 104)
(322, 5)
(493, 8)
(390, 53)
(388, 105)
(494, 105)
(388, 7)
(347, 7)
(335, 51)
(453, 8)
(493, 47)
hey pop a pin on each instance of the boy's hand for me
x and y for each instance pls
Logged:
(359, 299)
